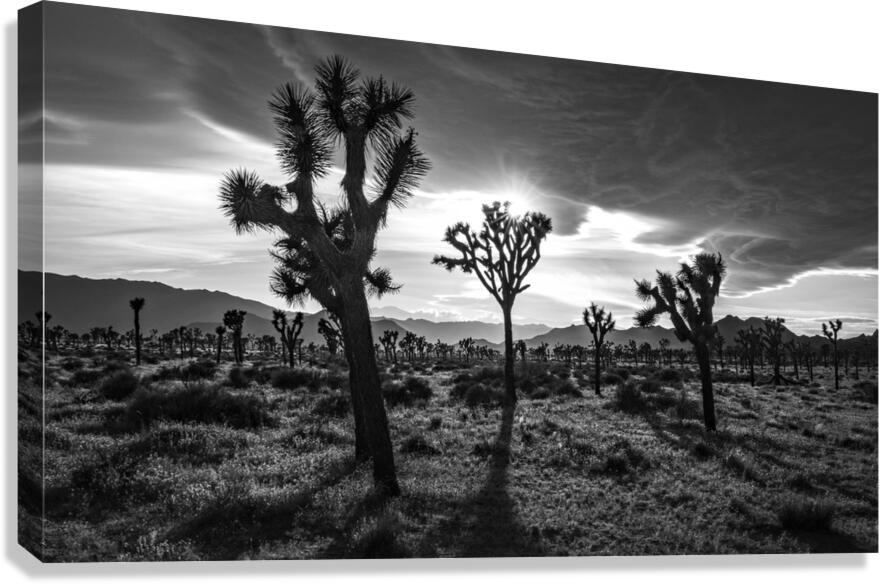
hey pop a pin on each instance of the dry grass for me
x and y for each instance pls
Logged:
(788, 471)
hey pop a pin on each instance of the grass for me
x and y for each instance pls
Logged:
(200, 470)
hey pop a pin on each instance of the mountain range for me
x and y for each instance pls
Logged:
(79, 304)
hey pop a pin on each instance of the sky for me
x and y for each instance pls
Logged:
(637, 168)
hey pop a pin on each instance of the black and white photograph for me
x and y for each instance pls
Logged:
(297, 295)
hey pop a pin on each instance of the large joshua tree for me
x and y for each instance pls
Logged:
(501, 254)
(136, 305)
(830, 330)
(600, 324)
(689, 298)
(327, 255)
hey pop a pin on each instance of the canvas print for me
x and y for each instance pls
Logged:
(286, 294)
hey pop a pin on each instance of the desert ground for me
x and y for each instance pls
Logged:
(184, 459)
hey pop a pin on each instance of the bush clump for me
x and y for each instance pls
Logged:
(200, 402)
(237, 378)
(417, 444)
(332, 406)
(866, 391)
(84, 377)
(119, 386)
(198, 370)
(408, 392)
(628, 397)
(668, 376)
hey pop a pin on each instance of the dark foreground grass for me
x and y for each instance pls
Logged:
(270, 473)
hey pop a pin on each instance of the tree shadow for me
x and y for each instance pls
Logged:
(486, 525)
(228, 530)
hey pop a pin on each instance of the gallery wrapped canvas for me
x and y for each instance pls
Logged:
(286, 294)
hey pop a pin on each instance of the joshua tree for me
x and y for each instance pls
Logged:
(279, 322)
(467, 346)
(688, 299)
(520, 347)
(501, 255)
(830, 330)
(750, 342)
(289, 332)
(333, 265)
(718, 343)
(600, 324)
(234, 321)
(220, 330)
(774, 345)
(389, 343)
(664, 351)
(332, 335)
(136, 305)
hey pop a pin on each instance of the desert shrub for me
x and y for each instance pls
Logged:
(198, 370)
(564, 387)
(406, 393)
(742, 467)
(628, 398)
(866, 391)
(237, 378)
(85, 377)
(650, 386)
(335, 406)
(190, 443)
(119, 385)
(259, 374)
(435, 423)
(540, 393)
(481, 395)
(559, 369)
(112, 366)
(293, 378)
(727, 376)
(686, 408)
(806, 515)
(165, 373)
(611, 379)
(621, 372)
(417, 444)
(668, 376)
(622, 457)
(72, 364)
(198, 402)
(447, 366)
(703, 450)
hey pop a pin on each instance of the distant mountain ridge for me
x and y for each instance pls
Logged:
(79, 304)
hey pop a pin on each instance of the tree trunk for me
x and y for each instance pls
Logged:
(137, 338)
(219, 347)
(361, 446)
(704, 361)
(509, 381)
(598, 382)
(364, 372)
(836, 368)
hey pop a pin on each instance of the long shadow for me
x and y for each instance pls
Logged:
(486, 524)
(230, 530)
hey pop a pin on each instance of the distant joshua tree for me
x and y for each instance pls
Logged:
(688, 299)
(234, 321)
(501, 255)
(325, 255)
(137, 304)
(749, 341)
(520, 347)
(220, 330)
(774, 346)
(389, 344)
(600, 324)
(289, 333)
(830, 330)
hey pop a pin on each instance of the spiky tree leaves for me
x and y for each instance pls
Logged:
(830, 330)
(326, 255)
(501, 255)
(600, 324)
(688, 298)
(137, 304)
(289, 332)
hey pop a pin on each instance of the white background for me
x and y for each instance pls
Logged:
(831, 43)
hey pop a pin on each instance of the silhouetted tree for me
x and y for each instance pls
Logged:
(830, 330)
(502, 254)
(332, 335)
(333, 268)
(688, 299)
(600, 324)
(220, 330)
(389, 343)
(520, 347)
(750, 342)
(234, 321)
(774, 345)
(137, 304)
